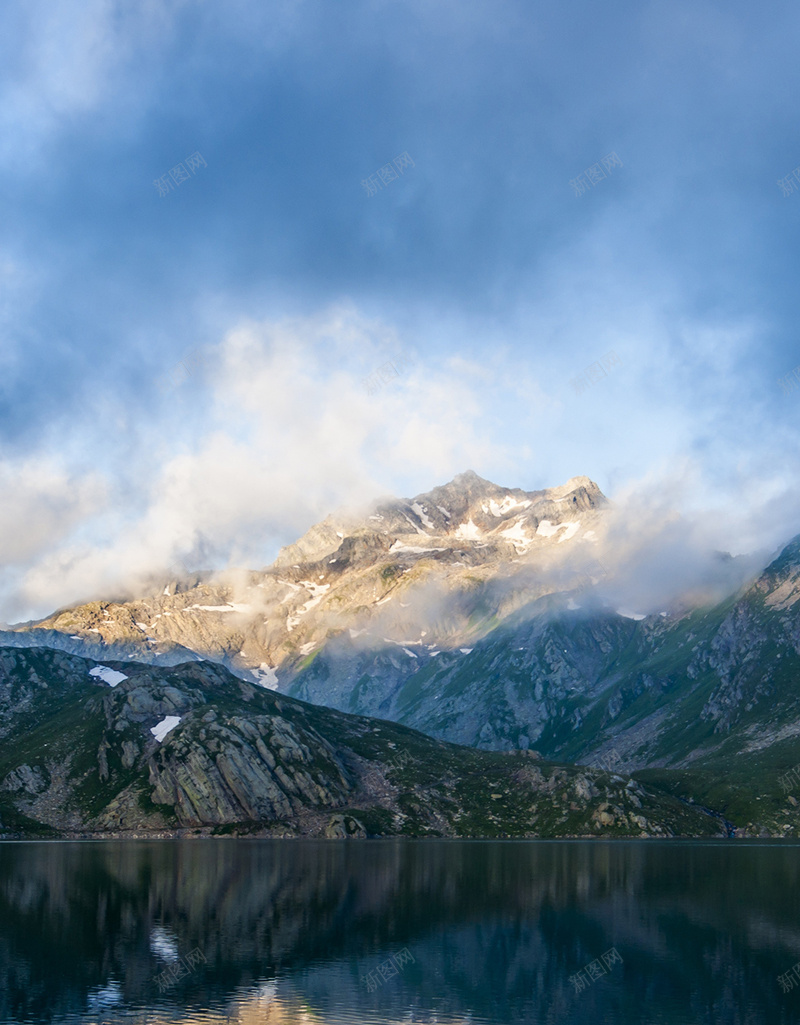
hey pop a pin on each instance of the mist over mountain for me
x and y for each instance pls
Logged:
(501, 619)
(418, 571)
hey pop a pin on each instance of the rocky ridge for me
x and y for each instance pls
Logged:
(439, 569)
(496, 641)
(136, 750)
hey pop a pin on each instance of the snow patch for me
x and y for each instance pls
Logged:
(571, 531)
(631, 615)
(417, 528)
(465, 651)
(507, 504)
(516, 532)
(230, 607)
(443, 511)
(421, 512)
(398, 546)
(160, 730)
(294, 589)
(318, 592)
(109, 676)
(548, 529)
(411, 653)
(266, 677)
(468, 530)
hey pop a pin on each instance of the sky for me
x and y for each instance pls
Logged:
(225, 226)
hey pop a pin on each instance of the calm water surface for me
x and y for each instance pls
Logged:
(370, 932)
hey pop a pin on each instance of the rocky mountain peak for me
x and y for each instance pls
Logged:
(465, 509)
(467, 477)
(484, 549)
(780, 582)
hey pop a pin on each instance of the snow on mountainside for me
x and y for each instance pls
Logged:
(495, 618)
(468, 508)
(437, 570)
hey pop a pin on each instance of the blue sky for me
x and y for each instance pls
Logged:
(275, 267)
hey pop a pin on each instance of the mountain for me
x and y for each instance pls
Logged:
(136, 750)
(482, 616)
(712, 692)
(440, 569)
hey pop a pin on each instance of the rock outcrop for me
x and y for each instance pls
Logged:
(138, 750)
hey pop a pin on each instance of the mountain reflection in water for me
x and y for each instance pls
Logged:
(293, 931)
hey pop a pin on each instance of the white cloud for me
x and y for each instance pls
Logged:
(281, 431)
(42, 502)
(286, 434)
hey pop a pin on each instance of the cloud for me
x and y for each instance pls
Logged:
(660, 549)
(64, 59)
(275, 428)
(281, 432)
(42, 503)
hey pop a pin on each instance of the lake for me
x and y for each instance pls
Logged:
(368, 932)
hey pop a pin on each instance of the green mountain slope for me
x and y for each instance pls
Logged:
(715, 691)
(78, 758)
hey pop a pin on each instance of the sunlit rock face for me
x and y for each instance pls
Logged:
(485, 616)
(438, 569)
